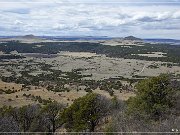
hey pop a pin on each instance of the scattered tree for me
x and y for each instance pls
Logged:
(85, 112)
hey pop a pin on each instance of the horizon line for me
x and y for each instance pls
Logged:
(87, 36)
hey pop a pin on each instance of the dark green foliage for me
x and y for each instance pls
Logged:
(153, 66)
(88, 89)
(172, 51)
(154, 97)
(115, 102)
(1, 91)
(110, 85)
(50, 87)
(154, 109)
(38, 98)
(85, 112)
(11, 57)
(7, 91)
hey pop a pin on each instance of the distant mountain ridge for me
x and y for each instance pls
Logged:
(89, 38)
(24, 39)
(30, 37)
(132, 38)
(169, 41)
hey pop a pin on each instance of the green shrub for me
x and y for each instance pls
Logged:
(154, 97)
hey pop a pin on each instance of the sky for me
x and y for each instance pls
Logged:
(112, 18)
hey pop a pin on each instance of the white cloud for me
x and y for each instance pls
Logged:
(18, 22)
(176, 15)
(63, 17)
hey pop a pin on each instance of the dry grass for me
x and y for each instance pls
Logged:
(11, 86)
(17, 99)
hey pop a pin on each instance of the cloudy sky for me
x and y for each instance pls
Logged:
(114, 18)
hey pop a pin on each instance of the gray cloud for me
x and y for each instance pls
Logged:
(65, 18)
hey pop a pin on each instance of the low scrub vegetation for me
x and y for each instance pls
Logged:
(155, 108)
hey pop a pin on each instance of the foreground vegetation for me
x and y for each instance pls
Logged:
(155, 108)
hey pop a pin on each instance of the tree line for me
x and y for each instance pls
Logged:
(171, 51)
